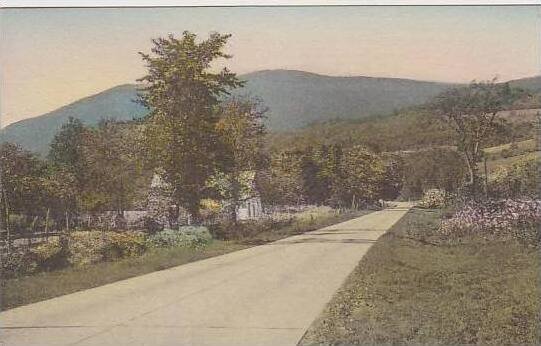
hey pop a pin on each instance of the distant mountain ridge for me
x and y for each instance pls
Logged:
(35, 134)
(295, 99)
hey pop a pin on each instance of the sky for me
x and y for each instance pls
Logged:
(51, 57)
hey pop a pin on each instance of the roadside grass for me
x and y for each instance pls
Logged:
(410, 290)
(304, 222)
(45, 285)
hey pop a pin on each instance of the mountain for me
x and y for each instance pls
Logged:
(35, 134)
(295, 99)
(533, 84)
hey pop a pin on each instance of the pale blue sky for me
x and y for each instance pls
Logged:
(50, 57)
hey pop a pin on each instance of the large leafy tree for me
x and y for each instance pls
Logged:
(183, 93)
(473, 113)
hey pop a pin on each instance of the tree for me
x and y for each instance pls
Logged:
(241, 133)
(281, 182)
(112, 166)
(66, 148)
(183, 95)
(394, 176)
(473, 113)
(20, 189)
(359, 178)
(437, 168)
(319, 167)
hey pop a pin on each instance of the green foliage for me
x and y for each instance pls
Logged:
(360, 176)
(183, 95)
(281, 182)
(328, 175)
(319, 168)
(66, 149)
(437, 168)
(114, 166)
(188, 236)
(241, 132)
(86, 247)
(521, 179)
(20, 181)
(393, 180)
(124, 244)
(50, 255)
(408, 129)
(17, 262)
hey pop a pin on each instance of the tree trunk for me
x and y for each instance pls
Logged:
(47, 224)
(486, 177)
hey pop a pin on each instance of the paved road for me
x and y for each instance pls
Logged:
(265, 295)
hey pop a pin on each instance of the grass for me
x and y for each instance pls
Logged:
(409, 290)
(45, 285)
(492, 165)
(527, 145)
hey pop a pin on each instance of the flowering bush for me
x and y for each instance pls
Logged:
(188, 236)
(515, 218)
(434, 198)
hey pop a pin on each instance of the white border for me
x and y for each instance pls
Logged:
(205, 3)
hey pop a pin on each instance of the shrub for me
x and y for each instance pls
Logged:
(50, 255)
(18, 262)
(434, 198)
(125, 244)
(87, 247)
(188, 236)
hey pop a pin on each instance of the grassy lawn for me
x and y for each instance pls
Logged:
(45, 285)
(409, 289)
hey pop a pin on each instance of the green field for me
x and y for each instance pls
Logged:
(525, 146)
(409, 290)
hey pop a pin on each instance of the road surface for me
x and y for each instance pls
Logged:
(264, 295)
